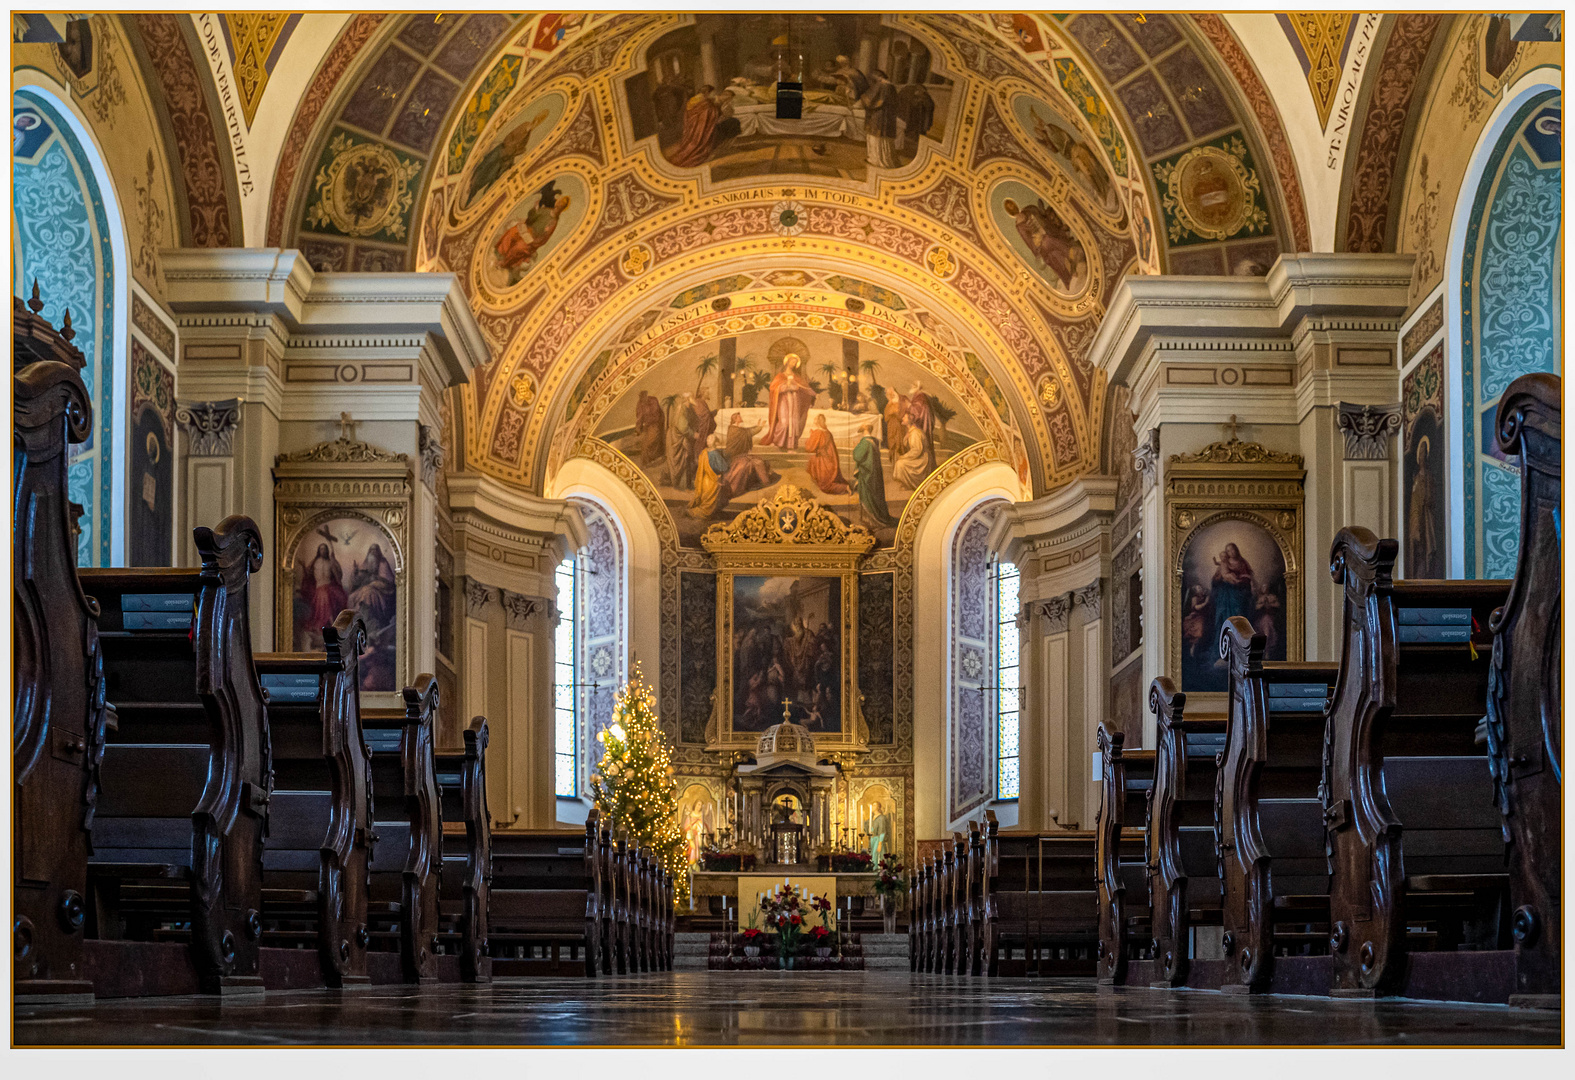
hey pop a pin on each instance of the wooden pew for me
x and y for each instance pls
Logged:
(548, 889)
(1121, 873)
(1525, 704)
(1040, 896)
(953, 897)
(970, 908)
(932, 927)
(466, 876)
(402, 890)
(1402, 761)
(59, 717)
(319, 843)
(178, 837)
(1183, 882)
(1270, 819)
(915, 915)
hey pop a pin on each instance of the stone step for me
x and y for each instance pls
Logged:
(886, 963)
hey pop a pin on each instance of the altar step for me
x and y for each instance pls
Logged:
(691, 951)
(861, 952)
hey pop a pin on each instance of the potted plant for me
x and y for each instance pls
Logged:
(890, 885)
(851, 862)
(821, 940)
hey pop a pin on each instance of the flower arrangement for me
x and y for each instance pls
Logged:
(730, 861)
(851, 862)
(890, 882)
(786, 909)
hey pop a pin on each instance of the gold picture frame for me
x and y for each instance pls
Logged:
(1228, 491)
(789, 535)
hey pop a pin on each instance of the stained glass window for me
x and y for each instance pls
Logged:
(1008, 685)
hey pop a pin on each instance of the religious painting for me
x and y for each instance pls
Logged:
(530, 231)
(1040, 237)
(150, 537)
(1212, 192)
(1230, 566)
(1422, 447)
(697, 818)
(708, 94)
(722, 424)
(1078, 157)
(876, 821)
(787, 652)
(344, 561)
(520, 133)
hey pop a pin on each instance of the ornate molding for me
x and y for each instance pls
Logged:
(1088, 597)
(1233, 451)
(1145, 458)
(346, 448)
(1055, 610)
(432, 455)
(209, 426)
(791, 517)
(518, 609)
(1367, 429)
(477, 597)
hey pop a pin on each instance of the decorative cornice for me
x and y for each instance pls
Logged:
(346, 448)
(209, 426)
(1367, 429)
(477, 597)
(1233, 451)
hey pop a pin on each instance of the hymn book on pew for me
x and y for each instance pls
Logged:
(1434, 626)
(1297, 697)
(156, 611)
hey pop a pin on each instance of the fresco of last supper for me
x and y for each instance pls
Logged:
(720, 425)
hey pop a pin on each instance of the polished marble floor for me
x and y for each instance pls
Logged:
(777, 1008)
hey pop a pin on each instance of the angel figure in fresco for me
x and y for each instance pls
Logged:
(791, 397)
(1049, 239)
(1194, 621)
(501, 158)
(516, 249)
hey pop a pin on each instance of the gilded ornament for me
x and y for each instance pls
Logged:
(1211, 193)
(940, 262)
(1050, 393)
(637, 259)
(522, 390)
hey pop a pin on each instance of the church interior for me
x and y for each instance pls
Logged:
(773, 528)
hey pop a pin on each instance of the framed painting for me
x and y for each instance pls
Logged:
(342, 541)
(1234, 522)
(787, 616)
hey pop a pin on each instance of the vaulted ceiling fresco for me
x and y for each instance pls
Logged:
(957, 202)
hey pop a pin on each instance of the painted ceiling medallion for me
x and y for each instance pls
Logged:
(1212, 193)
(365, 189)
(522, 390)
(1050, 393)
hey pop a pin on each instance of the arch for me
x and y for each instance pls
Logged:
(64, 202)
(932, 679)
(1464, 405)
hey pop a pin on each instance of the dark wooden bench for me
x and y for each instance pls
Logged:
(1525, 703)
(1274, 872)
(59, 718)
(319, 843)
(402, 889)
(1040, 896)
(1121, 881)
(971, 902)
(1416, 849)
(548, 891)
(467, 851)
(1183, 880)
(178, 835)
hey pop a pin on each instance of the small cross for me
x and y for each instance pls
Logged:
(347, 427)
(787, 709)
(1231, 423)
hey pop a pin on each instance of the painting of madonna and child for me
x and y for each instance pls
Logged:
(719, 425)
(787, 652)
(708, 92)
(340, 563)
(1231, 567)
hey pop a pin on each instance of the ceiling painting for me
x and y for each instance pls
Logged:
(970, 186)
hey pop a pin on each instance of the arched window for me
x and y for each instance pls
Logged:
(589, 652)
(983, 732)
(66, 233)
(1511, 285)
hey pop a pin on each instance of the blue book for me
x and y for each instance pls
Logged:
(1285, 704)
(156, 620)
(1435, 635)
(1298, 689)
(382, 740)
(290, 689)
(1435, 616)
(156, 602)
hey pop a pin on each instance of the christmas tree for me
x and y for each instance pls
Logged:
(633, 785)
